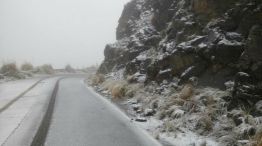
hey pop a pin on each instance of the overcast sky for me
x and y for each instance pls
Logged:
(58, 32)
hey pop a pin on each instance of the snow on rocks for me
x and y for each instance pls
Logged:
(140, 119)
(178, 113)
(149, 112)
(258, 107)
(141, 57)
(201, 117)
(229, 85)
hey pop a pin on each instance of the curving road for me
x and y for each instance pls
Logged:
(83, 118)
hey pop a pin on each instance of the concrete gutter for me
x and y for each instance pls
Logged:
(20, 95)
(34, 125)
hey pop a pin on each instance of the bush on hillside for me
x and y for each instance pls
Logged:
(98, 79)
(27, 66)
(69, 68)
(46, 69)
(118, 91)
(9, 69)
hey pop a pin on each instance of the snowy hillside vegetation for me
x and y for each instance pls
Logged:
(10, 71)
(190, 70)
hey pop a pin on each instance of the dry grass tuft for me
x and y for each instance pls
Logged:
(109, 84)
(169, 126)
(98, 79)
(205, 123)
(257, 139)
(119, 90)
(175, 100)
(186, 92)
(130, 78)
(132, 89)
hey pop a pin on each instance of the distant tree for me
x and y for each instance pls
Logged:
(9, 69)
(27, 66)
(47, 69)
(69, 68)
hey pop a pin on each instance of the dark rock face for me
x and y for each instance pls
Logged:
(247, 92)
(130, 14)
(209, 39)
(254, 43)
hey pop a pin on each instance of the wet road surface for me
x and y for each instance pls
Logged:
(82, 118)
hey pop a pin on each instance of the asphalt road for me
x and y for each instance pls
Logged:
(82, 118)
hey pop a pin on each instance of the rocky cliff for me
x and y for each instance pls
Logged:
(209, 39)
(200, 62)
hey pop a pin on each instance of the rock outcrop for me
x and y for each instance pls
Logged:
(209, 39)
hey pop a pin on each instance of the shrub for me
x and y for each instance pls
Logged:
(205, 123)
(9, 69)
(46, 68)
(177, 101)
(109, 84)
(186, 92)
(131, 89)
(119, 90)
(169, 126)
(27, 66)
(258, 138)
(98, 79)
(69, 68)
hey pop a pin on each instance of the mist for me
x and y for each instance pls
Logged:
(57, 32)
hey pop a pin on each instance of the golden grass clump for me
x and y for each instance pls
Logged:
(109, 84)
(119, 90)
(257, 139)
(205, 122)
(186, 92)
(98, 79)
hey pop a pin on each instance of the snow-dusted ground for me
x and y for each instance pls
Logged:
(20, 121)
(11, 90)
(182, 115)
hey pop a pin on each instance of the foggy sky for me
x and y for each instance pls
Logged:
(58, 32)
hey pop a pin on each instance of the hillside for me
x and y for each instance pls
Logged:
(197, 63)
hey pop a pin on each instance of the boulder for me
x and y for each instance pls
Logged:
(245, 91)
(130, 13)
(149, 112)
(140, 119)
(192, 71)
(227, 140)
(258, 108)
(164, 75)
(254, 43)
(2, 76)
(237, 116)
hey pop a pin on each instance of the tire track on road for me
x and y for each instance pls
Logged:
(39, 139)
